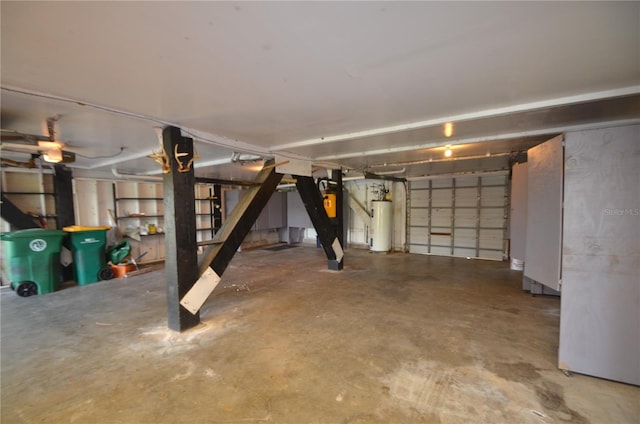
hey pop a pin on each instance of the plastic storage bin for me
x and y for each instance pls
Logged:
(88, 248)
(32, 260)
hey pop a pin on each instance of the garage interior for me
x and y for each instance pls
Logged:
(342, 212)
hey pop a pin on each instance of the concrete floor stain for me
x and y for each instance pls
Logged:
(522, 372)
(551, 396)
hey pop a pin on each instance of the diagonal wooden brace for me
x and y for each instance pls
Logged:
(214, 261)
(312, 200)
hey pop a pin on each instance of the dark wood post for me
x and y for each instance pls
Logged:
(63, 187)
(181, 263)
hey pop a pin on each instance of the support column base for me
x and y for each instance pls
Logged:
(335, 265)
(183, 320)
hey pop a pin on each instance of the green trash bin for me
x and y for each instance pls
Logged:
(32, 260)
(88, 248)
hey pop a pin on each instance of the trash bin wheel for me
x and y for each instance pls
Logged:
(106, 273)
(26, 288)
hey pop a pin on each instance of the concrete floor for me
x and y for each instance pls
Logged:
(393, 338)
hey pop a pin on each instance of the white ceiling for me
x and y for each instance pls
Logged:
(356, 84)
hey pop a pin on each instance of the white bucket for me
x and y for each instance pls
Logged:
(517, 264)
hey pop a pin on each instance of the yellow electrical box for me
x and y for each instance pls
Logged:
(330, 204)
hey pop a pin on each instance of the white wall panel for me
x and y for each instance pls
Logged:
(92, 201)
(518, 221)
(544, 213)
(600, 303)
(359, 222)
(86, 211)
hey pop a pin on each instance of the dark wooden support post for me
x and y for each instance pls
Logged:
(181, 263)
(312, 200)
(63, 186)
(65, 214)
(217, 207)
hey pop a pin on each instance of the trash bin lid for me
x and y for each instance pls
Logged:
(75, 228)
(30, 233)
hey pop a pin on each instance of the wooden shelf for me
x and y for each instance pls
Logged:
(147, 198)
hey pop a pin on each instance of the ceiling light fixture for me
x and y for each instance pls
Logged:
(448, 152)
(53, 155)
(448, 129)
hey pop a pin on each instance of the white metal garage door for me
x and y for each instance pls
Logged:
(461, 216)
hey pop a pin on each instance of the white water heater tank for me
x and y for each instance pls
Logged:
(382, 222)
